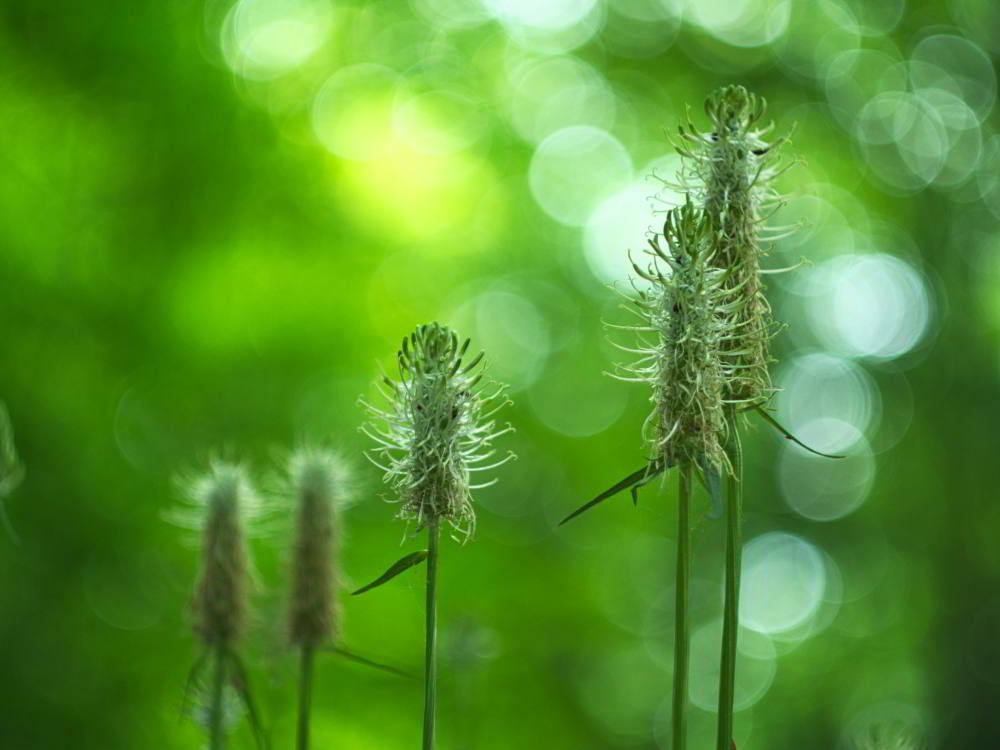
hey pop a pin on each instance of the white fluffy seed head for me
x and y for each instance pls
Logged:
(318, 483)
(221, 601)
(437, 430)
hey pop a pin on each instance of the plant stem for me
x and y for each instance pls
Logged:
(682, 625)
(216, 718)
(731, 611)
(305, 696)
(430, 652)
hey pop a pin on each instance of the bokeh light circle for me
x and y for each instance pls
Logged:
(874, 305)
(823, 489)
(558, 92)
(821, 387)
(756, 667)
(352, 114)
(783, 582)
(263, 39)
(576, 168)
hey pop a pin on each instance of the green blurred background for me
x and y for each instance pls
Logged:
(218, 218)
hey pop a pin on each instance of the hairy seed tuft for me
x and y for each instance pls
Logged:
(220, 602)
(318, 482)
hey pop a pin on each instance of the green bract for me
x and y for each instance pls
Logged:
(437, 429)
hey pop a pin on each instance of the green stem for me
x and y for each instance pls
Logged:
(731, 610)
(430, 652)
(682, 624)
(305, 696)
(216, 718)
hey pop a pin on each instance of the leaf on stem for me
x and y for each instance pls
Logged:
(401, 565)
(358, 659)
(241, 684)
(712, 482)
(634, 480)
(789, 436)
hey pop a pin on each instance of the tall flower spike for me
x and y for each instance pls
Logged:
(437, 430)
(318, 482)
(729, 172)
(221, 598)
(683, 365)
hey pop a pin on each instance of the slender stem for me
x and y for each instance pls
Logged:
(731, 610)
(305, 696)
(682, 624)
(430, 652)
(216, 718)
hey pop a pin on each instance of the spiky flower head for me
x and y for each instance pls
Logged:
(437, 430)
(11, 469)
(681, 338)
(318, 481)
(729, 171)
(221, 597)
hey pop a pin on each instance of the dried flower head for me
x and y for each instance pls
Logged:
(730, 172)
(437, 429)
(220, 602)
(318, 481)
(681, 337)
(11, 469)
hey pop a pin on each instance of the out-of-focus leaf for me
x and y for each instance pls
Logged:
(358, 659)
(241, 684)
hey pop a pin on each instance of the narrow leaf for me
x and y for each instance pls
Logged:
(358, 659)
(655, 469)
(190, 684)
(401, 565)
(242, 685)
(712, 483)
(640, 476)
(789, 436)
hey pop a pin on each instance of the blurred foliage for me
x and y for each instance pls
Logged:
(217, 219)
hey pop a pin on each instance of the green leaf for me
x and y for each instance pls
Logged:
(636, 479)
(401, 565)
(789, 436)
(241, 684)
(191, 684)
(712, 483)
(358, 659)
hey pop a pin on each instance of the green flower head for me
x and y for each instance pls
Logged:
(437, 430)
(729, 172)
(681, 337)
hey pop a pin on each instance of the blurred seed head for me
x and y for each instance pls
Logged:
(729, 171)
(437, 430)
(221, 598)
(681, 336)
(318, 482)
(889, 737)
